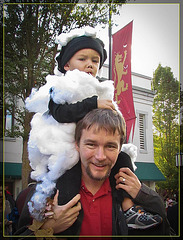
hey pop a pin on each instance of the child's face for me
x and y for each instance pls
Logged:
(86, 60)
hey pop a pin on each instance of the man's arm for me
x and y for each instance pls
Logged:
(61, 217)
(150, 200)
(58, 219)
(143, 196)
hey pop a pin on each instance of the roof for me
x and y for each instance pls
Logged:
(145, 171)
(148, 172)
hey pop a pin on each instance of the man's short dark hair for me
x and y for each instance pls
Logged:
(107, 119)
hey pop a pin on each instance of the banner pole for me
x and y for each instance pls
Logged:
(110, 47)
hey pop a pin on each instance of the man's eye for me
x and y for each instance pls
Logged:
(111, 147)
(81, 59)
(91, 145)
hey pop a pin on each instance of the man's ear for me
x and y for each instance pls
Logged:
(66, 67)
(77, 147)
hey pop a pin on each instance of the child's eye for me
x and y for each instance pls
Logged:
(81, 59)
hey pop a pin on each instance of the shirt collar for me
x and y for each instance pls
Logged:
(105, 188)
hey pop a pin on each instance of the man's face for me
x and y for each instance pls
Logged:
(98, 153)
(85, 60)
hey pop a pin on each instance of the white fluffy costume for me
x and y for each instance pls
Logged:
(51, 145)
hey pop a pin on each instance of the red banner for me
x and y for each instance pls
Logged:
(121, 74)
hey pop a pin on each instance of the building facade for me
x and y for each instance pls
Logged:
(143, 97)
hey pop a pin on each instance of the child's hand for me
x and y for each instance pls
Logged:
(107, 104)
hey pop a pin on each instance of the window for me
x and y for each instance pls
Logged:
(142, 131)
(8, 121)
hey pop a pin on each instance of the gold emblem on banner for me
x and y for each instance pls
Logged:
(119, 71)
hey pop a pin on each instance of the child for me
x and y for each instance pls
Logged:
(68, 104)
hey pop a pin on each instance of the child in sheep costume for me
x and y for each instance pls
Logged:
(65, 98)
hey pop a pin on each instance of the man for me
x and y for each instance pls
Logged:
(51, 145)
(89, 198)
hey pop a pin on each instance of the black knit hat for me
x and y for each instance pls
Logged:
(77, 44)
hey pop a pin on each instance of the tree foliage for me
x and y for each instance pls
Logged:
(30, 29)
(181, 120)
(165, 121)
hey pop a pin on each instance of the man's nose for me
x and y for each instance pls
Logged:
(100, 153)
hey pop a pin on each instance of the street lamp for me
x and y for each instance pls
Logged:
(178, 159)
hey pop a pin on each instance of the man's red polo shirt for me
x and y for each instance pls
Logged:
(97, 210)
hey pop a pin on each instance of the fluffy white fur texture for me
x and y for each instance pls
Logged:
(64, 38)
(51, 145)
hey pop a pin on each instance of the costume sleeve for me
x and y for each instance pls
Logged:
(67, 113)
(150, 199)
(152, 202)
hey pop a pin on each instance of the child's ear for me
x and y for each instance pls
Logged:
(66, 67)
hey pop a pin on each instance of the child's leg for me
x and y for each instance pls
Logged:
(123, 160)
(137, 218)
(127, 204)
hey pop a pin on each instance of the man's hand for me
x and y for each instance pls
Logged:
(63, 216)
(128, 181)
(107, 104)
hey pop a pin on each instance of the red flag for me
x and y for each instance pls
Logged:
(121, 74)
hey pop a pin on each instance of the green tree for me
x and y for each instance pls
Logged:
(30, 29)
(166, 127)
(181, 121)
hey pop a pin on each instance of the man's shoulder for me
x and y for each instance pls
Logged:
(69, 184)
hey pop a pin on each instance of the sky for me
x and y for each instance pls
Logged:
(155, 36)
